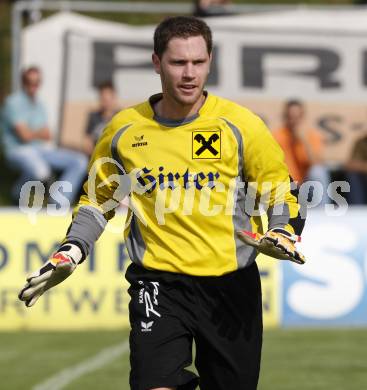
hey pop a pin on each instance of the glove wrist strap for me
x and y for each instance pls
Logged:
(292, 237)
(73, 251)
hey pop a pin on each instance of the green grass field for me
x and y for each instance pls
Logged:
(292, 359)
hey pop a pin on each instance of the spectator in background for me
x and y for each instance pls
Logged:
(356, 172)
(97, 120)
(204, 8)
(26, 140)
(302, 148)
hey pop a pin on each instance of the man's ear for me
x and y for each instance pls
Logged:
(156, 63)
(210, 61)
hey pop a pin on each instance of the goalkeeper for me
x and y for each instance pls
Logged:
(193, 274)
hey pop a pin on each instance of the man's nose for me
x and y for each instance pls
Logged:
(189, 71)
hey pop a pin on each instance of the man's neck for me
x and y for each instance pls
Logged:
(291, 130)
(30, 97)
(170, 109)
(107, 112)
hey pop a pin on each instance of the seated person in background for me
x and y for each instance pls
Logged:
(97, 120)
(302, 148)
(356, 172)
(26, 140)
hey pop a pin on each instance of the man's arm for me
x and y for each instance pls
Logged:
(265, 167)
(16, 118)
(25, 134)
(273, 188)
(358, 159)
(356, 166)
(96, 206)
(102, 192)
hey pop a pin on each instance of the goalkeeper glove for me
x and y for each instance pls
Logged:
(54, 271)
(277, 243)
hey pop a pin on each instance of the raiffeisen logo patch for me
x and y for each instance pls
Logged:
(206, 145)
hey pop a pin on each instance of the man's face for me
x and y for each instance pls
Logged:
(184, 68)
(293, 116)
(32, 83)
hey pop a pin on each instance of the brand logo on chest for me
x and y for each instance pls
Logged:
(139, 141)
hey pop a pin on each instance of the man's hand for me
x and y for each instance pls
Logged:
(54, 271)
(276, 243)
(27, 135)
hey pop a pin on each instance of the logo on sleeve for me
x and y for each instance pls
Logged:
(206, 144)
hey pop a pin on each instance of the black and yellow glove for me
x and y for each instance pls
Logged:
(277, 243)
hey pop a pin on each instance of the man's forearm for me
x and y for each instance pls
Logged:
(27, 135)
(24, 132)
(280, 216)
(87, 226)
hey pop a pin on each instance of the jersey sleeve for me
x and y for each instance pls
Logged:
(268, 178)
(105, 176)
(102, 193)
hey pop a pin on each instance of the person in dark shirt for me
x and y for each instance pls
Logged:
(97, 120)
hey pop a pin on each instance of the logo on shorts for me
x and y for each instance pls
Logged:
(148, 296)
(146, 326)
(206, 145)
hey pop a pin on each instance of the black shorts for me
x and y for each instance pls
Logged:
(222, 314)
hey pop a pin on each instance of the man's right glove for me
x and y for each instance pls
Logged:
(277, 243)
(54, 271)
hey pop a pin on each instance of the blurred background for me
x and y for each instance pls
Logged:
(302, 67)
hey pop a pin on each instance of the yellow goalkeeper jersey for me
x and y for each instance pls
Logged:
(194, 183)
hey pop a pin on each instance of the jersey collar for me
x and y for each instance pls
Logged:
(178, 122)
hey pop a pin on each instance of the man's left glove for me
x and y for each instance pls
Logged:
(277, 243)
(54, 271)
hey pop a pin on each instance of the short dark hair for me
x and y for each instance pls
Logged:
(107, 84)
(180, 27)
(293, 102)
(26, 71)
